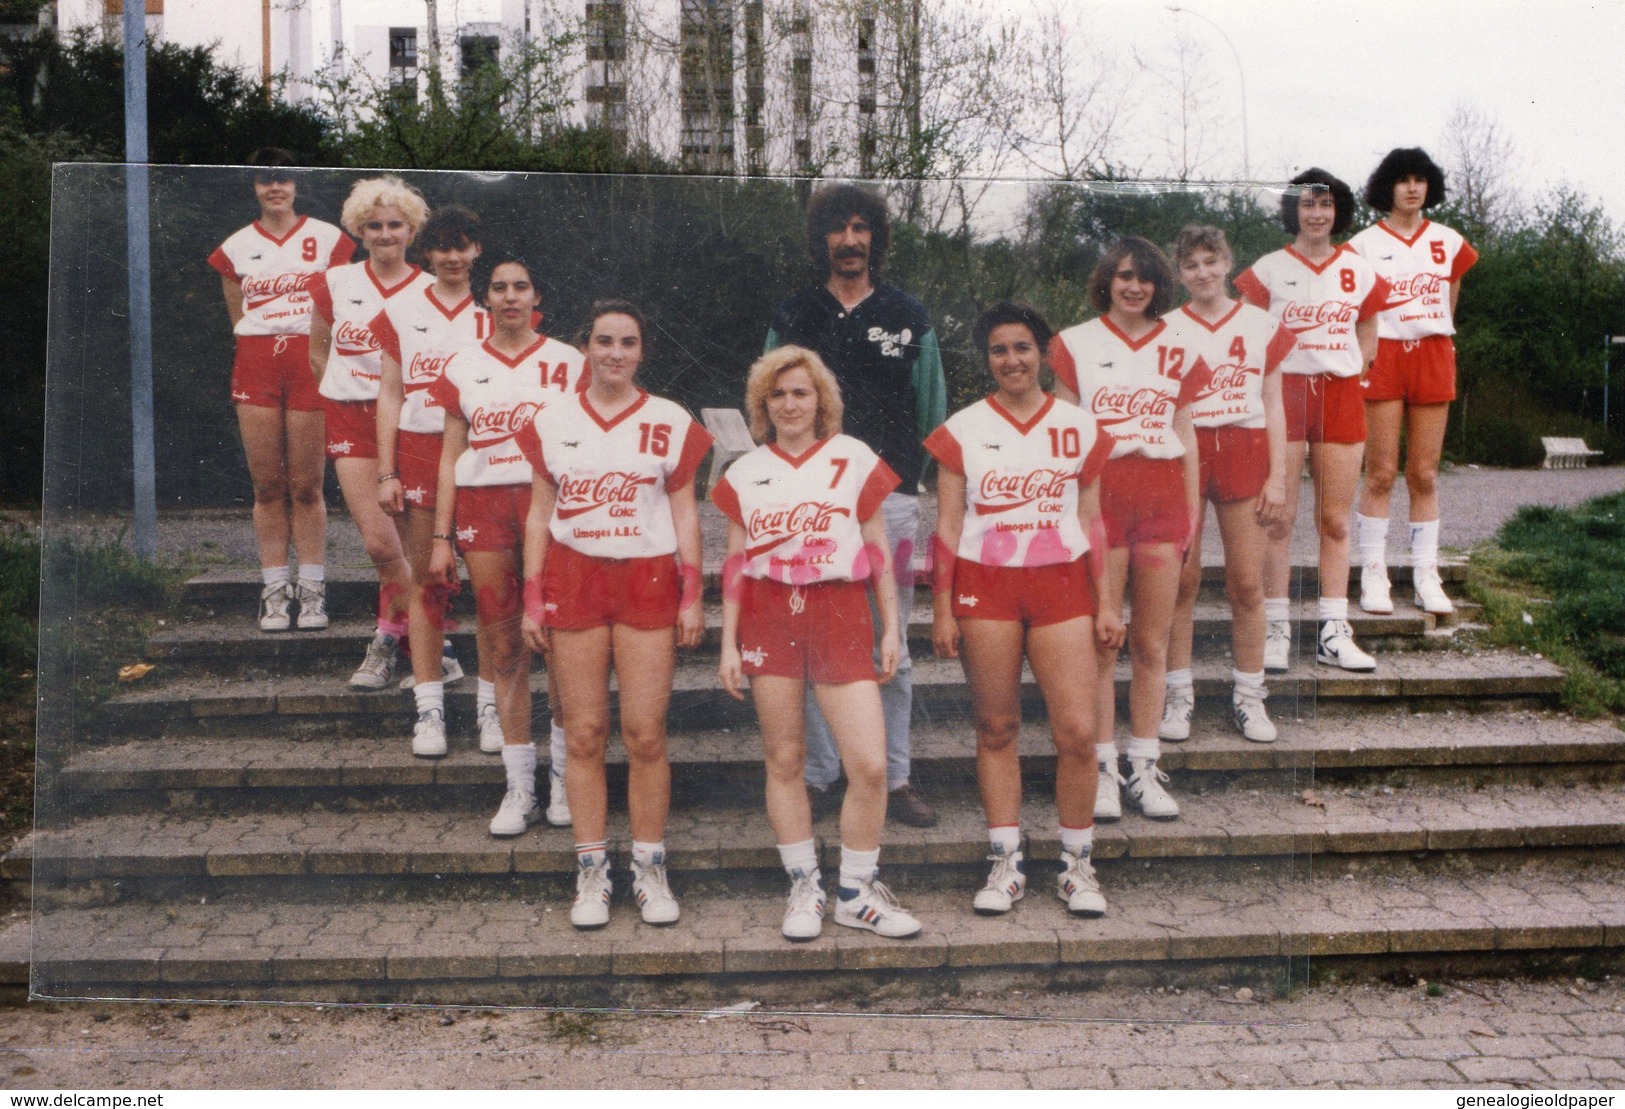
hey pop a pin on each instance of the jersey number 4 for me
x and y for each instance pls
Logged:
(653, 439)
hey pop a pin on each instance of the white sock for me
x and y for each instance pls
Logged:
(273, 574)
(1005, 839)
(1373, 538)
(556, 749)
(1249, 683)
(486, 695)
(1106, 753)
(429, 695)
(800, 859)
(591, 854)
(1334, 608)
(1144, 748)
(858, 866)
(1077, 842)
(1180, 679)
(1425, 543)
(312, 572)
(648, 854)
(1277, 610)
(519, 760)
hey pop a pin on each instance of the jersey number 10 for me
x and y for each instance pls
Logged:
(1064, 442)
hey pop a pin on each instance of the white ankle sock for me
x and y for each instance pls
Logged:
(648, 854)
(312, 572)
(429, 695)
(1425, 543)
(1334, 608)
(1277, 610)
(519, 760)
(800, 859)
(1179, 679)
(858, 866)
(1144, 748)
(1077, 842)
(1373, 532)
(273, 574)
(1106, 753)
(486, 694)
(1005, 839)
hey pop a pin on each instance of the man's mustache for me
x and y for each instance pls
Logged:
(851, 252)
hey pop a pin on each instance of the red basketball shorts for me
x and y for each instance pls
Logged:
(1323, 409)
(417, 460)
(1416, 371)
(352, 428)
(492, 517)
(273, 371)
(580, 591)
(1142, 500)
(821, 633)
(1235, 462)
(1032, 595)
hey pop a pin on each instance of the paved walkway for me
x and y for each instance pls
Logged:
(1497, 1035)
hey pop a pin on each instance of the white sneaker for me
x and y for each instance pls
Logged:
(1145, 790)
(312, 604)
(654, 894)
(1337, 647)
(593, 887)
(1108, 794)
(1375, 595)
(378, 667)
(1177, 709)
(558, 802)
(1247, 709)
(274, 602)
(871, 905)
(450, 669)
(1079, 887)
(804, 912)
(491, 738)
(429, 735)
(1278, 646)
(1006, 884)
(517, 813)
(1430, 594)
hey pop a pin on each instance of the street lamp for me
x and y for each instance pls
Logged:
(1241, 76)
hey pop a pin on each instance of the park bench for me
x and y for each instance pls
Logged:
(727, 426)
(1566, 453)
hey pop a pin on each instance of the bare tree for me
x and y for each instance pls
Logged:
(1481, 160)
(1187, 106)
(1078, 96)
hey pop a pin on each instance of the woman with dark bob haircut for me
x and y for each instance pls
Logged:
(1328, 296)
(1122, 371)
(1414, 378)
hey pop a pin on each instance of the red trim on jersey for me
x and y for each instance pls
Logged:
(726, 498)
(530, 445)
(1024, 428)
(1323, 267)
(1466, 259)
(793, 460)
(221, 264)
(1252, 290)
(343, 251)
(1377, 299)
(321, 297)
(260, 227)
(1191, 384)
(444, 393)
(695, 444)
(449, 313)
(609, 424)
(1095, 461)
(1282, 343)
(389, 340)
(1061, 362)
(1420, 231)
(387, 291)
(880, 483)
(942, 446)
(513, 363)
(1134, 344)
(1213, 327)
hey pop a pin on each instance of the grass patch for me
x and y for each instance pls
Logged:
(1554, 582)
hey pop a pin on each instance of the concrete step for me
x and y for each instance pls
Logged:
(518, 951)
(1342, 739)
(452, 841)
(163, 700)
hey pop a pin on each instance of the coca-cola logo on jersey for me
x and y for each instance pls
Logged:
(1022, 488)
(427, 365)
(1416, 285)
(501, 422)
(578, 495)
(1232, 376)
(1300, 316)
(354, 339)
(1125, 401)
(258, 290)
(806, 518)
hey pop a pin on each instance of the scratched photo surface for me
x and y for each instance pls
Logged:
(235, 820)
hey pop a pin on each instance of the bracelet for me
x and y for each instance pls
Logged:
(388, 477)
(447, 538)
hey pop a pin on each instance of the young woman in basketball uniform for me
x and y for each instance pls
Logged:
(1414, 378)
(612, 576)
(806, 542)
(265, 273)
(1015, 574)
(1328, 296)
(1123, 371)
(1241, 451)
(385, 213)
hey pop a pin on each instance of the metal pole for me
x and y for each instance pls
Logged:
(140, 279)
(1241, 76)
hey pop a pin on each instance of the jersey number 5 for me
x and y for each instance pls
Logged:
(1436, 248)
(653, 438)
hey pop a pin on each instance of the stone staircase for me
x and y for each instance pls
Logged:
(240, 824)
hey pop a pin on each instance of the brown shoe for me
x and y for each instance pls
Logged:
(906, 806)
(822, 802)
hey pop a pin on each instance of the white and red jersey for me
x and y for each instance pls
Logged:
(1419, 271)
(1319, 304)
(349, 298)
(1132, 387)
(1021, 480)
(1238, 351)
(803, 516)
(498, 396)
(613, 476)
(422, 334)
(275, 273)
